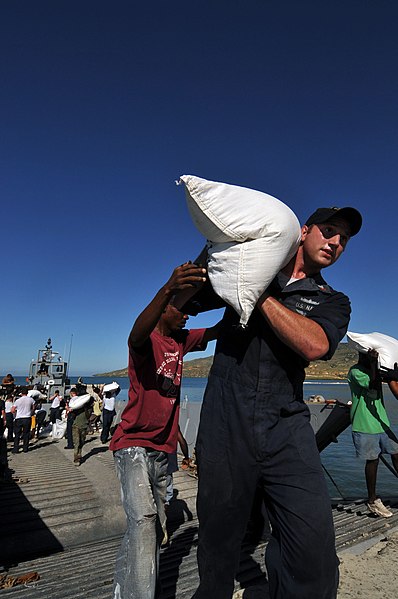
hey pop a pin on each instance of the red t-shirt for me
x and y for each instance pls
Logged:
(150, 418)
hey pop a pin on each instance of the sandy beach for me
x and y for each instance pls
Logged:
(373, 573)
(365, 573)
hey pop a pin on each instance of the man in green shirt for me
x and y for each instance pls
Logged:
(371, 430)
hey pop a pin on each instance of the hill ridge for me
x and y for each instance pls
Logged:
(335, 368)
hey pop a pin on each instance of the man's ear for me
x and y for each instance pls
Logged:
(304, 232)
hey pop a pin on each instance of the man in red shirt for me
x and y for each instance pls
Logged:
(149, 428)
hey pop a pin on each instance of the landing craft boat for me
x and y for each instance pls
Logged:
(49, 372)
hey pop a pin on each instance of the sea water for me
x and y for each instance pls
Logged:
(338, 459)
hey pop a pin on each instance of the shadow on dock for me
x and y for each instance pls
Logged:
(22, 521)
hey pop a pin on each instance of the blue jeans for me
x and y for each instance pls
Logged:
(142, 475)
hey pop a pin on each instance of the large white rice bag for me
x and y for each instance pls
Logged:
(78, 401)
(387, 347)
(114, 386)
(35, 393)
(251, 235)
(59, 429)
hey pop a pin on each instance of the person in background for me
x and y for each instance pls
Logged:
(23, 409)
(70, 416)
(43, 368)
(8, 383)
(55, 408)
(80, 427)
(95, 417)
(108, 413)
(3, 442)
(9, 402)
(148, 430)
(371, 431)
(40, 414)
(172, 465)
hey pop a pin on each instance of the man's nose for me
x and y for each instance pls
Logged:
(335, 240)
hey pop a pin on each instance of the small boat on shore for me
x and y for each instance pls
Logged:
(48, 372)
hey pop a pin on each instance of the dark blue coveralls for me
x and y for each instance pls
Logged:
(255, 430)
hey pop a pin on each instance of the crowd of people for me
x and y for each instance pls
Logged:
(24, 419)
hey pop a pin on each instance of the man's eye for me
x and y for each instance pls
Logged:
(328, 231)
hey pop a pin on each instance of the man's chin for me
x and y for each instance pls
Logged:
(326, 260)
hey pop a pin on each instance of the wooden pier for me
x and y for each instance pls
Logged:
(65, 523)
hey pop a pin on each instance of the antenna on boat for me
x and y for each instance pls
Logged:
(70, 351)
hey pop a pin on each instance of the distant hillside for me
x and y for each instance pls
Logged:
(336, 368)
(113, 373)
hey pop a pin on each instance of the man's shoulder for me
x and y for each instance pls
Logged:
(329, 296)
(357, 374)
(314, 284)
(325, 287)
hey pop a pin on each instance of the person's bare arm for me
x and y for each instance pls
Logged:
(212, 332)
(304, 336)
(186, 276)
(183, 445)
(394, 388)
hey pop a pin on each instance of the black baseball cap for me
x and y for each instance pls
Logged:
(351, 215)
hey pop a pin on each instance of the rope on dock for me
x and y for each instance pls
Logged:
(334, 482)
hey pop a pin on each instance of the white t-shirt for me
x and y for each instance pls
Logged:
(24, 405)
(109, 403)
(9, 405)
(56, 401)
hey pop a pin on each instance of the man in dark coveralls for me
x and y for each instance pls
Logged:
(255, 428)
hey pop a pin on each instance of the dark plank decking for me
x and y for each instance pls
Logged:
(66, 524)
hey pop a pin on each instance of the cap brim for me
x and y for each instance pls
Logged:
(352, 216)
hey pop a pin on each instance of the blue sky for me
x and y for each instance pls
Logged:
(105, 104)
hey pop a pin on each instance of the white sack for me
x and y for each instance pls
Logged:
(59, 429)
(114, 386)
(79, 401)
(387, 347)
(252, 236)
(35, 393)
